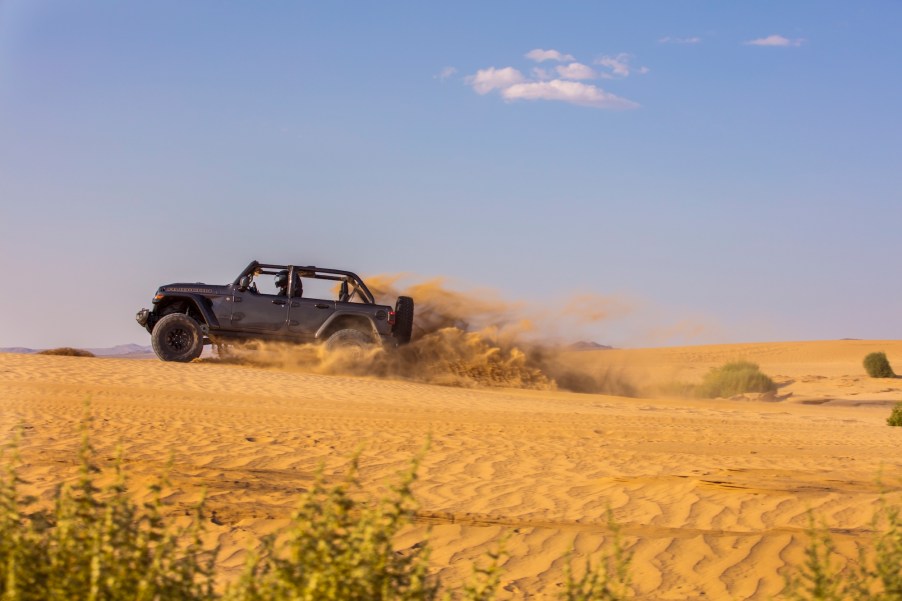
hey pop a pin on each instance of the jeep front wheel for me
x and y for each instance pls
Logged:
(177, 337)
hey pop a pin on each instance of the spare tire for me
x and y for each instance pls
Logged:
(403, 328)
(177, 337)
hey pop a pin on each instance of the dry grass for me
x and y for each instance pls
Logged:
(67, 351)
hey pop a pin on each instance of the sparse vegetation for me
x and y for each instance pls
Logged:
(98, 544)
(67, 351)
(340, 549)
(877, 576)
(607, 581)
(895, 418)
(877, 366)
(734, 378)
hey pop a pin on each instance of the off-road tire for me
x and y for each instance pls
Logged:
(177, 337)
(349, 338)
(403, 328)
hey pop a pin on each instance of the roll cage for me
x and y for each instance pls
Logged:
(350, 284)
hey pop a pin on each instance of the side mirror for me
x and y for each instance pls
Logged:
(244, 283)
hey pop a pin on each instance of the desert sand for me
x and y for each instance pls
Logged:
(712, 496)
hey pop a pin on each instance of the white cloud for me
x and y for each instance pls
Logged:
(561, 83)
(490, 79)
(619, 66)
(775, 40)
(541, 56)
(446, 73)
(572, 92)
(576, 71)
(673, 40)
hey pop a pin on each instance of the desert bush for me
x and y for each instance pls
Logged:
(485, 580)
(895, 418)
(67, 351)
(340, 549)
(608, 580)
(877, 366)
(97, 544)
(734, 378)
(877, 576)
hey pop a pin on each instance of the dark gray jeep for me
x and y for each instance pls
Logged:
(269, 302)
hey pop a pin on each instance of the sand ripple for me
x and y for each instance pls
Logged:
(711, 496)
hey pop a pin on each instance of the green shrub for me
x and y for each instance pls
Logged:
(877, 366)
(734, 378)
(606, 581)
(884, 571)
(877, 576)
(67, 351)
(97, 544)
(340, 549)
(895, 418)
(817, 579)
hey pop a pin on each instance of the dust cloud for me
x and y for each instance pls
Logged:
(473, 339)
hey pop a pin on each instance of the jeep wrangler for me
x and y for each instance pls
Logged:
(185, 317)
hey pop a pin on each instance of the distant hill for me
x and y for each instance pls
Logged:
(584, 345)
(120, 350)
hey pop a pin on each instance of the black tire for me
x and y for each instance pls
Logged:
(403, 328)
(177, 337)
(349, 339)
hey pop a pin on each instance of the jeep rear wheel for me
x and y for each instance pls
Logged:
(403, 328)
(177, 337)
(350, 339)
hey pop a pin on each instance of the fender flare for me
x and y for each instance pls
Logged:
(327, 325)
(199, 302)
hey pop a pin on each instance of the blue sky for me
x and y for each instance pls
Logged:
(727, 172)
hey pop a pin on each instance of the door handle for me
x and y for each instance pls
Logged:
(321, 306)
(278, 302)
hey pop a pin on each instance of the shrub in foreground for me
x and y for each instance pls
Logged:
(97, 544)
(877, 366)
(606, 581)
(734, 378)
(877, 576)
(340, 549)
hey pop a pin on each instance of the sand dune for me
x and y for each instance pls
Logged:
(712, 496)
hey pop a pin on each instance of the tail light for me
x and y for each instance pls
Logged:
(391, 317)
